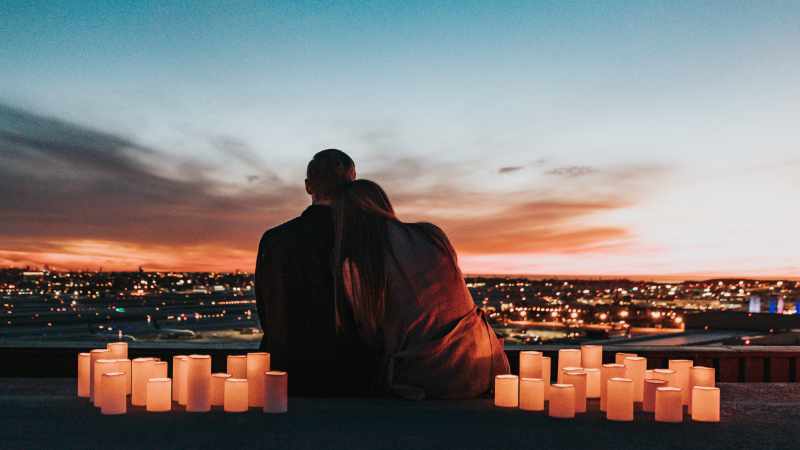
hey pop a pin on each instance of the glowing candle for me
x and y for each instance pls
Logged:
(159, 397)
(592, 383)
(705, 404)
(577, 378)
(198, 384)
(530, 364)
(591, 356)
(619, 357)
(124, 366)
(506, 391)
(567, 357)
(235, 395)
(160, 370)
(179, 365)
(276, 395)
(546, 375)
(141, 370)
(94, 355)
(669, 404)
(118, 350)
(620, 400)
(607, 372)
(648, 374)
(562, 401)
(237, 366)
(101, 366)
(114, 399)
(650, 386)
(531, 394)
(634, 369)
(84, 362)
(700, 376)
(257, 364)
(218, 388)
(668, 375)
(682, 368)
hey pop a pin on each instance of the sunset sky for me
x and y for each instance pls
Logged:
(545, 137)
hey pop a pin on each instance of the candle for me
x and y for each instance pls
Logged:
(648, 374)
(101, 366)
(669, 404)
(114, 399)
(179, 365)
(118, 350)
(94, 355)
(562, 401)
(257, 365)
(619, 358)
(218, 388)
(607, 372)
(235, 395)
(681, 368)
(530, 364)
(700, 376)
(84, 362)
(705, 404)
(276, 386)
(531, 394)
(124, 366)
(141, 371)
(159, 398)
(650, 386)
(592, 382)
(634, 369)
(237, 366)
(591, 356)
(506, 391)
(546, 375)
(198, 384)
(567, 357)
(668, 375)
(620, 400)
(577, 378)
(159, 370)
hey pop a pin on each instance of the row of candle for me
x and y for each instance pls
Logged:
(581, 375)
(107, 377)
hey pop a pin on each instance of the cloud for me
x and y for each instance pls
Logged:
(509, 169)
(571, 171)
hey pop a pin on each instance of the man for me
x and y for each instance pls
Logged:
(295, 289)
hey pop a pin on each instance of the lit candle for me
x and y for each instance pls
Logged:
(257, 364)
(682, 368)
(620, 400)
(198, 384)
(94, 355)
(577, 378)
(705, 404)
(562, 401)
(118, 350)
(607, 372)
(592, 383)
(531, 394)
(530, 364)
(101, 366)
(218, 388)
(506, 391)
(276, 393)
(648, 374)
(650, 386)
(634, 369)
(235, 395)
(700, 376)
(546, 376)
(141, 371)
(567, 357)
(124, 366)
(668, 375)
(84, 363)
(160, 370)
(159, 398)
(114, 400)
(591, 356)
(237, 366)
(179, 366)
(619, 357)
(669, 404)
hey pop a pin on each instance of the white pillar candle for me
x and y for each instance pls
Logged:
(84, 364)
(592, 382)
(530, 364)
(141, 370)
(112, 391)
(276, 392)
(257, 365)
(159, 394)
(650, 386)
(94, 355)
(577, 378)
(198, 384)
(235, 395)
(620, 400)
(682, 368)
(546, 375)
(607, 372)
(506, 391)
(700, 376)
(567, 357)
(179, 365)
(669, 405)
(531, 394)
(218, 388)
(668, 375)
(237, 366)
(562, 401)
(124, 366)
(634, 369)
(118, 350)
(705, 404)
(591, 356)
(101, 366)
(619, 357)
(160, 370)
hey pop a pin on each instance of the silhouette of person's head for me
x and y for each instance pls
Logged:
(326, 173)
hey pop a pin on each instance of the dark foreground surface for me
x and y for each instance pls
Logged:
(44, 413)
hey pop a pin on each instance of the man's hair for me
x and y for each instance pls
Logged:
(329, 170)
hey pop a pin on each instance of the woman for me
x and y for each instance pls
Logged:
(409, 302)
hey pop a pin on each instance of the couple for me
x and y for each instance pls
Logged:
(354, 301)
